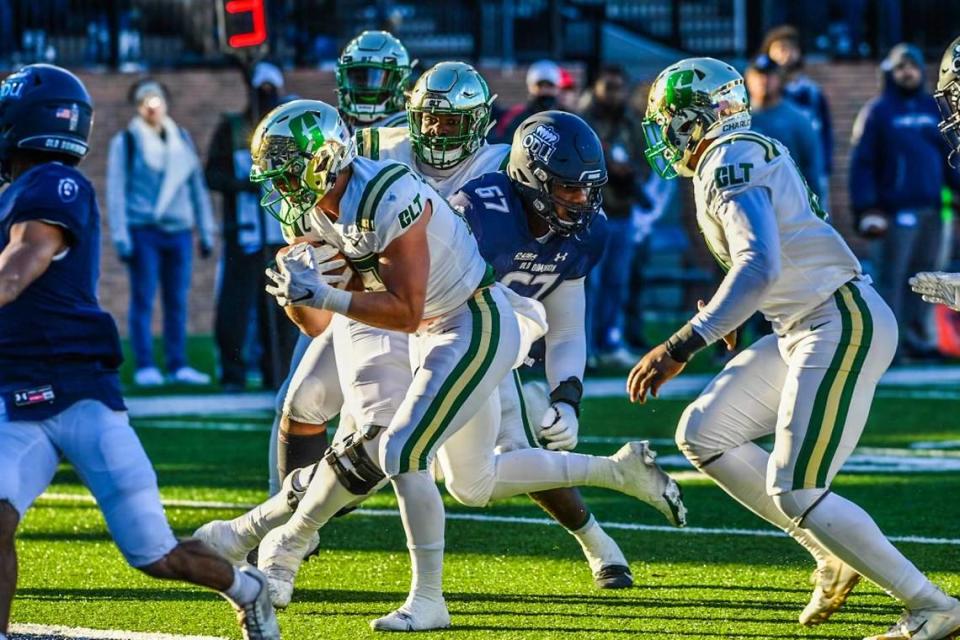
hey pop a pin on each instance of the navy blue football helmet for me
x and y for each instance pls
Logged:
(558, 148)
(43, 108)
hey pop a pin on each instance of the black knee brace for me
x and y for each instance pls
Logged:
(354, 468)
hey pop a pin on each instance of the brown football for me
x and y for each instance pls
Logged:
(355, 283)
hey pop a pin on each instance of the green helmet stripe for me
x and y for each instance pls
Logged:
(678, 92)
(373, 193)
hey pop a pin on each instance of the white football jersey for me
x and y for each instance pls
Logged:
(383, 199)
(815, 261)
(393, 143)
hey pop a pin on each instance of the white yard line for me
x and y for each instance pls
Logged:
(42, 631)
(486, 517)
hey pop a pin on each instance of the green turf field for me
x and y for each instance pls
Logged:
(506, 579)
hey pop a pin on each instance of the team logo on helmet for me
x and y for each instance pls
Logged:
(541, 143)
(67, 189)
(11, 89)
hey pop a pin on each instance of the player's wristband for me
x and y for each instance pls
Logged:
(337, 300)
(569, 391)
(684, 343)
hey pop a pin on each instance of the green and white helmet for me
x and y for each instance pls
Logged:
(372, 74)
(298, 149)
(448, 112)
(694, 100)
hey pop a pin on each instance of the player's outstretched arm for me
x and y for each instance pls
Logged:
(32, 247)
(938, 288)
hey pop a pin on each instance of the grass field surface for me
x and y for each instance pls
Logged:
(508, 573)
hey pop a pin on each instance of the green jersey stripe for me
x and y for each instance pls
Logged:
(365, 208)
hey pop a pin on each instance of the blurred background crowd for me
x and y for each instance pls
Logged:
(845, 85)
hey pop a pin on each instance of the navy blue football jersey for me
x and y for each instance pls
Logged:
(532, 268)
(57, 346)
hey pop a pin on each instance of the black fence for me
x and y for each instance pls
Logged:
(165, 33)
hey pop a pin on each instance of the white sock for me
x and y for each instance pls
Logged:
(324, 497)
(252, 526)
(421, 509)
(851, 534)
(530, 470)
(598, 547)
(742, 473)
(244, 590)
(275, 481)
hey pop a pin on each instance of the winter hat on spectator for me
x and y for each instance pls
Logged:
(543, 71)
(146, 88)
(903, 52)
(266, 73)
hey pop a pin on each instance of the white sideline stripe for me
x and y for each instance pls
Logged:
(43, 630)
(682, 387)
(485, 517)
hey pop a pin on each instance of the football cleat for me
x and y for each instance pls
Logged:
(833, 581)
(280, 559)
(415, 615)
(642, 478)
(614, 576)
(257, 619)
(925, 624)
(220, 536)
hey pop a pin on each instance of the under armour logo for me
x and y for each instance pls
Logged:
(560, 256)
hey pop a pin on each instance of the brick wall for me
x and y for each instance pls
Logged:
(198, 97)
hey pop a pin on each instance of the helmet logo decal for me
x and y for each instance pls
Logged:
(541, 143)
(679, 91)
(307, 132)
(591, 176)
(11, 89)
(67, 189)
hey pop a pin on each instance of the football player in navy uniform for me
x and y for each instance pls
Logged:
(540, 226)
(59, 353)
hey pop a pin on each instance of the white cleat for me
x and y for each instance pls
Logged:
(257, 619)
(416, 615)
(925, 624)
(280, 559)
(220, 536)
(642, 478)
(833, 581)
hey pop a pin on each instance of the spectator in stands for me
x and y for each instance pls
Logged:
(543, 87)
(898, 171)
(251, 238)
(620, 132)
(782, 45)
(156, 197)
(778, 118)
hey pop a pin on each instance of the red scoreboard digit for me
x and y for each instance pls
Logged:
(243, 23)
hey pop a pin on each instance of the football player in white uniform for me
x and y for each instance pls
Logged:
(372, 74)
(812, 381)
(422, 274)
(939, 287)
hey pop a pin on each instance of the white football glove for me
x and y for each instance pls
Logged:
(938, 288)
(303, 277)
(559, 427)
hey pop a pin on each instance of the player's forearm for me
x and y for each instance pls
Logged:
(386, 310)
(739, 296)
(566, 339)
(20, 266)
(310, 321)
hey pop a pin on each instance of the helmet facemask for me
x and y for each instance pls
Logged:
(368, 91)
(578, 215)
(447, 150)
(948, 100)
